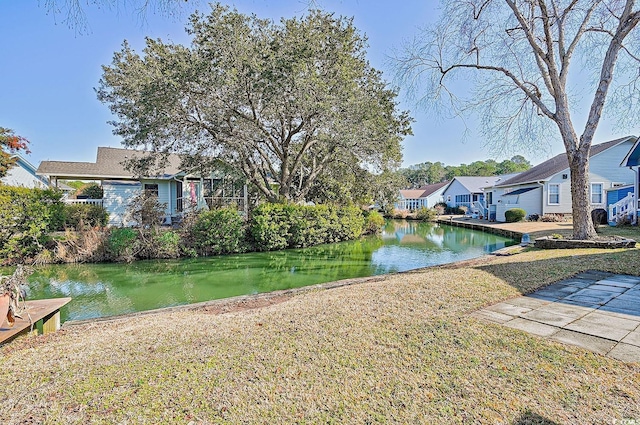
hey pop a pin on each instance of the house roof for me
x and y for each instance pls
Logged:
(423, 191)
(633, 157)
(109, 164)
(411, 193)
(432, 188)
(555, 165)
(475, 184)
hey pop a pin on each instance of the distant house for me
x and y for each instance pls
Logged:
(23, 174)
(426, 196)
(175, 187)
(468, 191)
(546, 188)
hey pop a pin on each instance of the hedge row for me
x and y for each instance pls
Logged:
(281, 226)
(28, 216)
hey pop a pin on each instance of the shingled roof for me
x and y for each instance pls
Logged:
(109, 164)
(558, 163)
(475, 184)
(422, 192)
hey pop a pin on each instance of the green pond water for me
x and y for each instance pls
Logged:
(100, 290)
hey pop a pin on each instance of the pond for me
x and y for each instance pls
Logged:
(100, 290)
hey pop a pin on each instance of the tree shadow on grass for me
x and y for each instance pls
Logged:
(531, 418)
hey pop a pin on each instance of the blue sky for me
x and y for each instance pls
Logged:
(48, 73)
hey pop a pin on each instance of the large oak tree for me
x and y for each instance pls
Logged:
(287, 104)
(537, 69)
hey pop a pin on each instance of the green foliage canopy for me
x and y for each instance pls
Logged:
(429, 173)
(284, 103)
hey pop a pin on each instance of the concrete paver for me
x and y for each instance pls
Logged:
(595, 310)
(532, 327)
(632, 338)
(625, 352)
(590, 342)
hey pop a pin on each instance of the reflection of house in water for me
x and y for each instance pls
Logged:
(411, 232)
(458, 239)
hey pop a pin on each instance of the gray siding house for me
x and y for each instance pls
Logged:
(546, 188)
(178, 189)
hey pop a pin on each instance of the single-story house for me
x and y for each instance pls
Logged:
(426, 196)
(176, 188)
(546, 188)
(468, 192)
(23, 174)
(623, 200)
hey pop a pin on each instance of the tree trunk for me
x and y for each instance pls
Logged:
(582, 225)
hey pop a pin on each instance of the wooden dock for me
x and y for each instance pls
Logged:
(482, 225)
(45, 316)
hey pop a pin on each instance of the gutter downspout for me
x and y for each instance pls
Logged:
(634, 220)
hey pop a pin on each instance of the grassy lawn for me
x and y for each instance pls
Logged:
(401, 349)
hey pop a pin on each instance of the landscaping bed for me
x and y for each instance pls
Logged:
(605, 242)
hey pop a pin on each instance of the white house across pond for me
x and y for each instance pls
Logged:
(177, 188)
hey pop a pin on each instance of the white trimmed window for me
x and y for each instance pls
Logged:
(597, 189)
(554, 194)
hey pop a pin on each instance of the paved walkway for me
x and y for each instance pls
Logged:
(595, 310)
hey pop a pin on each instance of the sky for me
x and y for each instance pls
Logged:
(48, 72)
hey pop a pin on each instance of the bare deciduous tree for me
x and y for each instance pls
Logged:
(522, 59)
(74, 12)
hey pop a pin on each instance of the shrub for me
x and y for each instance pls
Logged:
(91, 191)
(26, 218)
(146, 210)
(440, 208)
(350, 224)
(400, 214)
(426, 214)
(514, 214)
(168, 244)
(443, 208)
(280, 226)
(270, 226)
(552, 218)
(156, 242)
(87, 245)
(81, 216)
(219, 231)
(121, 244)
(373, 222)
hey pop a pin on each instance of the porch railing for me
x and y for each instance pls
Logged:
(98, 202)
(623, 209)
(479, 209)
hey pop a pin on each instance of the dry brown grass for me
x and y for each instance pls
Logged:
(398, 350)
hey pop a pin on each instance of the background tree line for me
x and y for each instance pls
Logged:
(435, 172)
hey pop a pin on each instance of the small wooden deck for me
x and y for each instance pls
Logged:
(45, 315)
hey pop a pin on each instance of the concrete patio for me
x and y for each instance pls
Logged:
(595, 310)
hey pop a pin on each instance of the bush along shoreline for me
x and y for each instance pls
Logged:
(38, 228)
